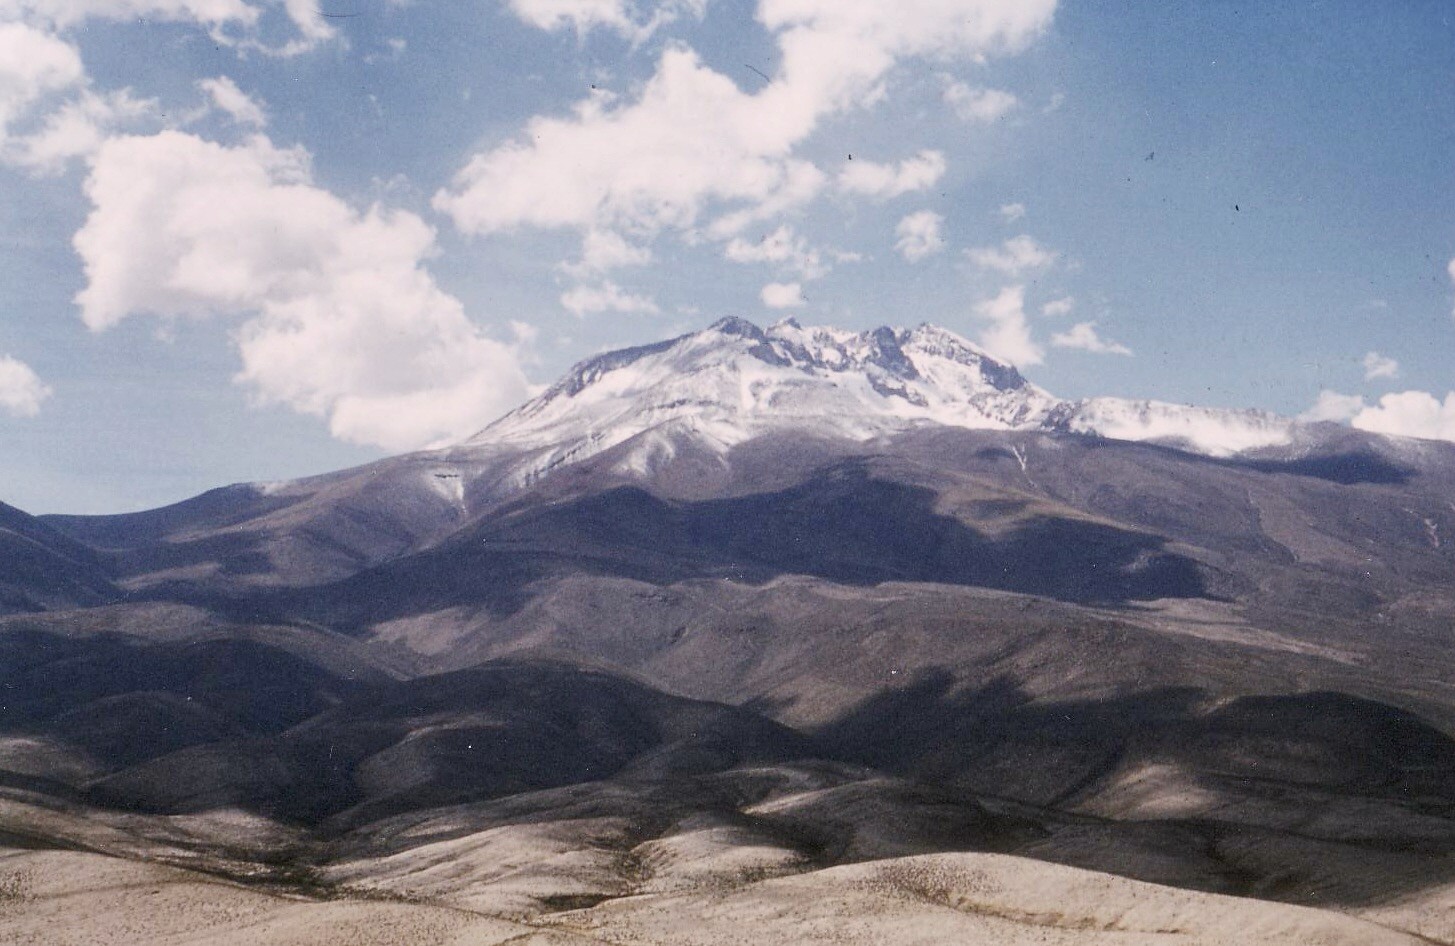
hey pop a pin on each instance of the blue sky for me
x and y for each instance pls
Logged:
(243, 241)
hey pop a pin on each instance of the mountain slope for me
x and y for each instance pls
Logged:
(676, 408)
(755, 602)
(42, 569)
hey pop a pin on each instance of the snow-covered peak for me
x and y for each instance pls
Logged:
(734, 381)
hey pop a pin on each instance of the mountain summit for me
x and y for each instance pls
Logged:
(733, 381)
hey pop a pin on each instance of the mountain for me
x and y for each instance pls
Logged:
(743, 608)
(41, 569)
(735, 381)
(672, 414)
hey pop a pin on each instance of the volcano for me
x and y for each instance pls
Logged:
(808, 625)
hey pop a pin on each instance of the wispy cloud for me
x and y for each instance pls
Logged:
(603, 251)
(1451, 270)
(606, 297)
(979, 104)
(1008, 332)
(778, 295)
(234, 102)
(883, 181)
(1057, 308)
(619, 16)
(782, 247)
(1333, 406)
(1083, 336)
(1014, 257)
(1011, 213)
(1378, 366)
(920, 235)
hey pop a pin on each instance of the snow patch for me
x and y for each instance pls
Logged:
(1205, 430)
(447, 483)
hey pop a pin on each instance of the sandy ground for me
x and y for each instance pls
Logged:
(81, 899)
(77, 899)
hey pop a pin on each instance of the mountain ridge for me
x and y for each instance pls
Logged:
(688, 418)
(734, 379)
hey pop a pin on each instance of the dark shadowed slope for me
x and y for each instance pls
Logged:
(43, 569)
(842, 524)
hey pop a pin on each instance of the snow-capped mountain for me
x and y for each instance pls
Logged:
(734, 381)
(674, 412)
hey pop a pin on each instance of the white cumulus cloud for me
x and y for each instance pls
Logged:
(883, 181)
(339, 318)
(691, 138)
(33, 65)
(691, 147)
(1410, 414)
(920, 235)
(1007, 335)
(1083, 336)
(77, 129)
(1405, 414)
(21, 390)
(779, 295)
